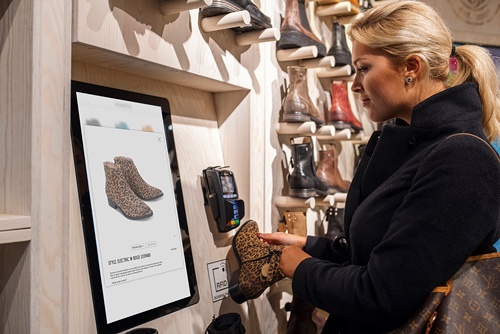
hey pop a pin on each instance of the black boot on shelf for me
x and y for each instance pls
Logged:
(364, 5)
(295, 29)
(303, 182)
(339, 48)
(259, 20)
(335, 218)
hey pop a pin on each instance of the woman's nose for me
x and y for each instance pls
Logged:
(356, 85)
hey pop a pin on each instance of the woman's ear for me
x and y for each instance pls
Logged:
(413, 66)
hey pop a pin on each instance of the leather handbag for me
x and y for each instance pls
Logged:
(469, 303)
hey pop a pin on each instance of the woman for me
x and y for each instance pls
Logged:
(423, 199)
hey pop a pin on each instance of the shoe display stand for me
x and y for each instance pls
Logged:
(286, 202)
(324, 71)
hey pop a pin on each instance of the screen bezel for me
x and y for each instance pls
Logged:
(88, 221)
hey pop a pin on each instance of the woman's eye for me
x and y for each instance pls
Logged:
(361, 69)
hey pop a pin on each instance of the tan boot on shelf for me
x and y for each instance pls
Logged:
(121, 197)
(259, 264)
(298, 107)
(296, 222)
(328, 172)
(140, 187)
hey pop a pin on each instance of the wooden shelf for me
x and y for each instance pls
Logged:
(150, 53)
(168, 7)
(339, 9)
(337, 200)
(14, 228)
(306, 128)
(292, 202)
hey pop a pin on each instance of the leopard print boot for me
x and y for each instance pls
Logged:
(136, 182)
(259, 264)
(121, 197)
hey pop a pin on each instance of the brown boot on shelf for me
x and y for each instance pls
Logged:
(295, 29)
(298, 107)
(340, 114)
(328, 172)
(140, 187)
(259, 264)
(121, 197)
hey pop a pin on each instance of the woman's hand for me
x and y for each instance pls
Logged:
(291, 257)
(285, 239)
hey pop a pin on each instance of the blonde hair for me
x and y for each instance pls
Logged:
(412, 28)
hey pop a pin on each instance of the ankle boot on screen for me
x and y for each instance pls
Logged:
(121, 197)
(298, 107)
(340, 114)
(259, 264)
(303, 182)
(295, 29)
(136, 182)
(328, 172)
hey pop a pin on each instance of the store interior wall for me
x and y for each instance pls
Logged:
(225, 101)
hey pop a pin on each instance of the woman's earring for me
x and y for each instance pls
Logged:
(409, 80)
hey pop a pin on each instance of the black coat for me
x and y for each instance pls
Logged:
(419, 204)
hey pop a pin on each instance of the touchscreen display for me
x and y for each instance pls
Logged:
(227, 183)
(136, 235)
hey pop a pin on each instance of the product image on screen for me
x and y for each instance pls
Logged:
(134, 222)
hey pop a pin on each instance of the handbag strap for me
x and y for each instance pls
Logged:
(483, 257)
(481, 139)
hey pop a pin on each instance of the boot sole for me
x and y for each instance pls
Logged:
(344, 125)
(302, 193)
(117, 207)
(291, 39)
(301, 118)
